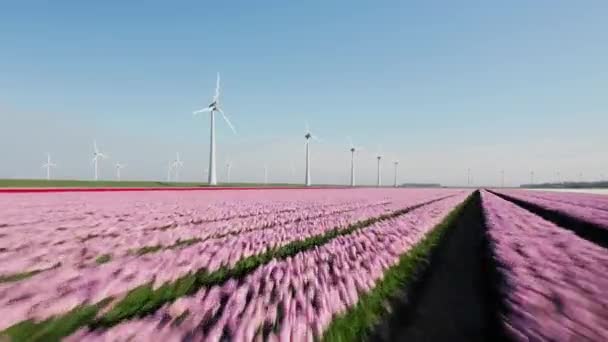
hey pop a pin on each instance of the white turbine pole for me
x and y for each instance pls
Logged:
(212, 177)
(396, 162)
(379, 180)
(307, 176)
(352, 166)
(48, 166)
(118, 167)
(212, 109)
(532, 177)
(228, 167)
(177, 163)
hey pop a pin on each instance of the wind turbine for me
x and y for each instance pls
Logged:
(532, 177)
(228, 169)
(118, 167)
(396, 162)
(96, 156)
(211, 109)
(48, 166)
(353, 149)
(379, 157)
(308, 136)
(177, 163)
(169, 168)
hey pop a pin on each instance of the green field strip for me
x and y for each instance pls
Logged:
(356, 323)
(144, 299)
(189, 242)
(24, 275)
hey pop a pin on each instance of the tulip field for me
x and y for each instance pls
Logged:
(293, 264)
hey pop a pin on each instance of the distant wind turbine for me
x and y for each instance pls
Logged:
(96, 156)
(502, 178)
(532, 177)
(308, 136)
(353, 150)
(211, 109)
(177, 163)
(169, 169)
(118, 167)
(228, 169)
(396, 163)
(379, 157)
(265, 174)
(48, 166)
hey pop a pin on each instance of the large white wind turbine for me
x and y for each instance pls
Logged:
(353, 149)
(211, 109)
(308, 136)
(118, 167)
(48, 166)
(379, 157)
(396, 163)
(96, 156)
(177, 163)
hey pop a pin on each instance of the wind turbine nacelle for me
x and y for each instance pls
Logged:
(308, 136)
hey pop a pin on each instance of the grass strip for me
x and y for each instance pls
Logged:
(356, 323)
(24, 275)
(188, 242)
(102, 259)
(54, 328)
(144, 299)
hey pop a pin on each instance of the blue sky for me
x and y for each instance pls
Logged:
(441, 85)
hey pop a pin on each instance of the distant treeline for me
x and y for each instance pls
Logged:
(420, 185)
(568, 185)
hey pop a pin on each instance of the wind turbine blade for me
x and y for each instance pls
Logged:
(204, 110)
(316, 138)
(95, 146)
(350, 141)
(217, 88)
(227, 120)
(307, 127)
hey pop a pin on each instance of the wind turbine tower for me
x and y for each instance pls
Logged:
(96, 156)
(48, 166)
(532, 177)
(379, 180)
(177, 163)
(353, 150)
(169, 169)
(396, 163)
(212, 109)
(118, 167)
(228, 169)
(308, 136)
